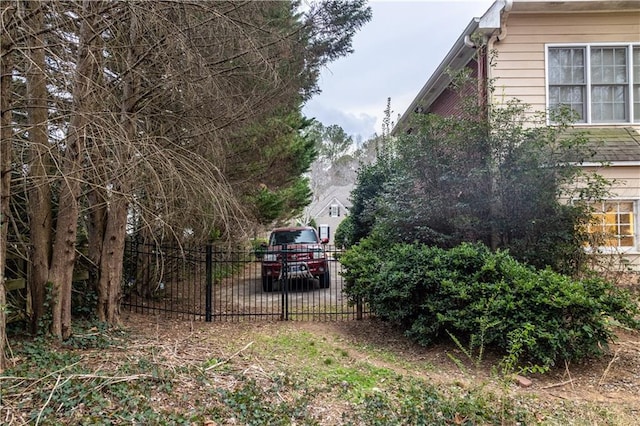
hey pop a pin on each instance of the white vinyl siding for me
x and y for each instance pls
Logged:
(520, 71)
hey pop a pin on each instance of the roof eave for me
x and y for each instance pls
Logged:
(458, 57)
(600, 164)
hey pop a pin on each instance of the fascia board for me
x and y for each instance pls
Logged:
(607, 164)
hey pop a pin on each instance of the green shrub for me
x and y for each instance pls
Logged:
(486, 299)
(259, 247)
(344, 233)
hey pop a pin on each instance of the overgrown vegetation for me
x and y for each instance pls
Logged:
(469, 227)
(414, 402)
(174, 121)
(282, 376)
(499, 177)
(487, 300)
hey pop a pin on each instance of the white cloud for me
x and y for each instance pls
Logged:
(353, 123)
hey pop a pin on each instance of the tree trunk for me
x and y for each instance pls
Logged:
(64, 247)
(95, 233)
(492, 160)
(115, 221)
(6, 136)
(39, 204)
(110, 282)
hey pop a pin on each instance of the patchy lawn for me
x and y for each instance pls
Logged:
(156, 371)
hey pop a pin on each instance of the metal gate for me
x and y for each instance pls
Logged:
(215, 284)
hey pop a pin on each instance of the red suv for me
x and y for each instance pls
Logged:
(305, 257)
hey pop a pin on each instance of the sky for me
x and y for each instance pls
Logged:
(394, 55)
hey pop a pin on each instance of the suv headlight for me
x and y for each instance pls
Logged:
(317, 254)
(270, 257)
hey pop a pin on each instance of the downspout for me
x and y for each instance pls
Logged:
(483, 79)
(484, 66)
(496, 36)
(492, 29)
(482, 63)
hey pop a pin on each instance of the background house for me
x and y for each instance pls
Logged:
(584, 54)
(330, 209)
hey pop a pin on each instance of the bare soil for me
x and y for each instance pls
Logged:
(611, 383)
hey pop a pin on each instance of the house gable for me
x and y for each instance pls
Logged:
(327, 210)
(338, 195)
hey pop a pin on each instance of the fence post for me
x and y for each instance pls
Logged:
(284, 284)
(209, 281)
(134, 260)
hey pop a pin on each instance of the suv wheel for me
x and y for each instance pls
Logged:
(267, 284)
(325, 280)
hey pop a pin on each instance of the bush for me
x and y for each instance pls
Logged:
(258, 245)
(344, 233)
(486, 299)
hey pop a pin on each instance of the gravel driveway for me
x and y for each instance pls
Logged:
(302, 299)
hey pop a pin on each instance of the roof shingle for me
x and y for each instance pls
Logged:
(611, 144)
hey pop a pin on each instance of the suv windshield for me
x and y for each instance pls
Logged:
(302, 236)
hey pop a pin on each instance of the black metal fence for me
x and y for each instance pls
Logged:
(214, 284)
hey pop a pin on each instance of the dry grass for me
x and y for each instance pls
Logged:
(168, 372)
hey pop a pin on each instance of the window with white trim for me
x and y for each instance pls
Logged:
(613, 224)
(601, 83)
(334, 210)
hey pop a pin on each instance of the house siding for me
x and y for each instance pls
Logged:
(626, 180)
(519, 73)
(332, 223)
(319, 210)
(519, 70)
(448, 103)
(324, 218)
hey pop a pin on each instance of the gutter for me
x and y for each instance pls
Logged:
(498, 22)
(605, 163)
